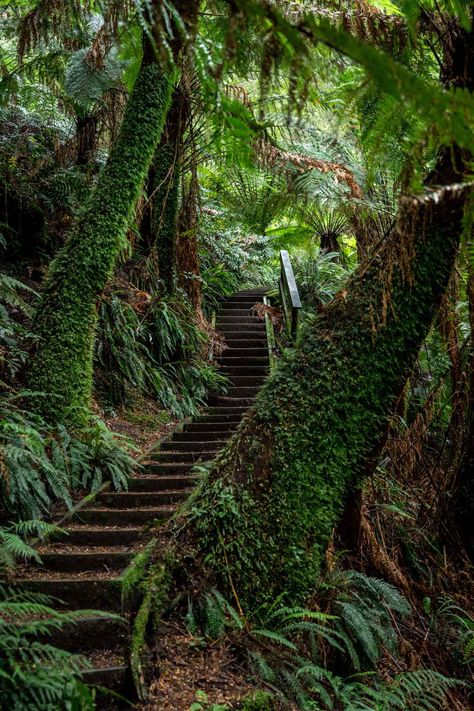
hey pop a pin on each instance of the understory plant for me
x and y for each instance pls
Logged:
(35, 674)
(156, 347)
(231, 259)
(300, 653)
(41, 466)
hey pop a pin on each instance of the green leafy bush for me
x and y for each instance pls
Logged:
(40, 467)
(35, 675)
(160, 351)
(290, 648)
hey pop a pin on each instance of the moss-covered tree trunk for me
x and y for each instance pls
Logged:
(61, 366)
(264, 518)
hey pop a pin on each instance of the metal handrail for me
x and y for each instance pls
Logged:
(290, 297)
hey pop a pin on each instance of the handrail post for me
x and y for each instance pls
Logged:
(289, 295)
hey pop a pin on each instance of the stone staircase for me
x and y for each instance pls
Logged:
(84, 569)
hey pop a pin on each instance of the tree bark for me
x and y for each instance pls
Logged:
(462, 505)
(61, 367)
(164, 193)
(264, 517)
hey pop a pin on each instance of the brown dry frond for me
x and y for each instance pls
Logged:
(274, 314)
(48, 18)
(378, 556)
(360, 19)
(416, 213)
(269, 156)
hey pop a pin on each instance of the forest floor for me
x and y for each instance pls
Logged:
(144, 424)
(186, 669)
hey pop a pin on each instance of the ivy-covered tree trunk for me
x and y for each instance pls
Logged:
(263, 519)
(61, 366)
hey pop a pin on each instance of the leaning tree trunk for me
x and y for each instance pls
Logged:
(66, 320)
(264, 517)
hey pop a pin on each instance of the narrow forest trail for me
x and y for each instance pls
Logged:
(84, 570)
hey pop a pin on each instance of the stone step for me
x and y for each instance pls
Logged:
(185, 457)
(158, 483)
(239, 316)
(231, 402)
(132, 499)
(90, 634)
(201, 435)
(119, 517)
(84, 591)
(244, 354)
(249, 336)
(231, 362)
(102, 536)
(253, 381)
(247, 340)
(227, 407)
(225, 427)
(168, 468)
(247, 296)
(236, 308)
(191, 446)
(117, 678)
(74, 562)
(230, 325)
(257, 370)
(220, 414)
(242, 391)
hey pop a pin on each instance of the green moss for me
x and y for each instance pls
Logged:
(67, 316)
(156, 590)
(258, 701)
(151, 582)
(264, 518)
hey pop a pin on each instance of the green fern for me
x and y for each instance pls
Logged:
(41, 466)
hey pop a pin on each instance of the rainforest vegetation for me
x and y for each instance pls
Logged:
(156, 157)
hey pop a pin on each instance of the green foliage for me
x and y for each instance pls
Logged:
(41, 466)
(231, 259)
(365, 607)
(256, 197)
(258, 701)
(13, 547)
(291, 649)
(320, 413)
(34, 674)
(319, 277)
(39, 192)
(461, 623)
(159, 351)
(13, 333)
(165, 202)
(151, 580)
(85, 82)
(202, 704)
